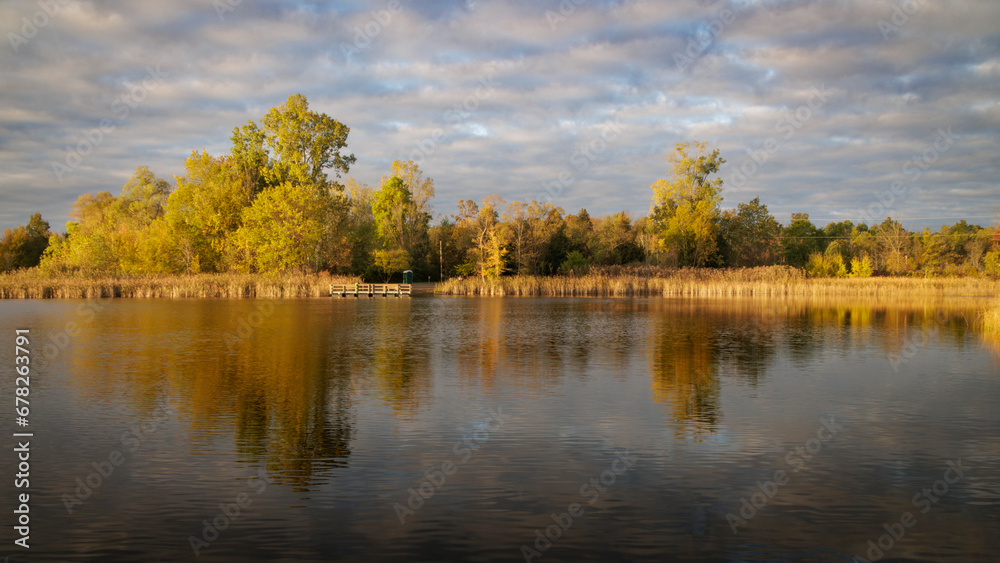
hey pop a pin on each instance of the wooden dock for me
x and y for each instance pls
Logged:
(370, 289)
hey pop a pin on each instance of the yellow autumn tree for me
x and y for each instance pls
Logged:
(685, 206)
(282, 230)
(205, 210)
(107, 233)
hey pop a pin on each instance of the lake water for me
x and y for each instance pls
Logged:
(475, 429)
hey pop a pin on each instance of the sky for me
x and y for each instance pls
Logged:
(846, 110)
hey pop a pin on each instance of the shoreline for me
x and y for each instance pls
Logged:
(756, 282)
(30, 285)
(720, 283)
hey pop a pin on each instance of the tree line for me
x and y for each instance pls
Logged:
(269, 206)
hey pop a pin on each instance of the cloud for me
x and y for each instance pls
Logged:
(548, 75)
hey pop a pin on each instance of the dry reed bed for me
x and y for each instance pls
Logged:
(32, 285)
(991, 321)
(746, 282)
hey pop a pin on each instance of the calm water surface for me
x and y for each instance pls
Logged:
(437, 429)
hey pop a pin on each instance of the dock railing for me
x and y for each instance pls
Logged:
(370, 289)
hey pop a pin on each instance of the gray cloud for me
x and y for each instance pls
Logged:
(546, 79)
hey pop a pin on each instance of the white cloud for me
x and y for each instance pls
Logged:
(551, 87)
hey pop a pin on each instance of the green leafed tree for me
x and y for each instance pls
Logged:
(390, 206)
(448, 240)
(416, 217)
(23, 246)
(686, 205)
(143, 199)
(282, 230)
(303, 144)
(38, 233)
(389, 262)
(575, 264)
(579, 231)
(615, 241)
(362, 236)
(250, 161)
(530, 226)
(799, 240)
(12, 248)
(750, 235)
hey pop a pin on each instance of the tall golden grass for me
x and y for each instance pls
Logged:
(991, 321)
(31, 284)
(704, 282)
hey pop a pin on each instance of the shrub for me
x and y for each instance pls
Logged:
(861, 268)
(991, 264)
(575, 263)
